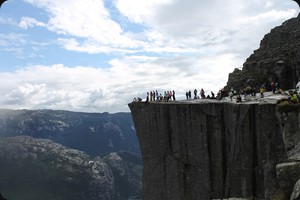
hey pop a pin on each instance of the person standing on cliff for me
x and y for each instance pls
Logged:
(239, 98)
(277, 87)
(195, 94)
(261, 91)
(212, 94)
(151, 95)
(147, 98)
(231, 95)
(273, 87)
(173, 95)
(202, 93)
(190, 94)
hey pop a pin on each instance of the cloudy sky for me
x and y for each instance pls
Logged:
(96, 55)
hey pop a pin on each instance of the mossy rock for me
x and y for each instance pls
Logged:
(283, 106)
(280, 195)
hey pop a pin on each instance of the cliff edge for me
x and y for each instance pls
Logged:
(216, 150)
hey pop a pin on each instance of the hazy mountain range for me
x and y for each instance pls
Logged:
(93, 133)
(97, 158)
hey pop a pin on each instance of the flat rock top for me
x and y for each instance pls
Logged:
(269, 98)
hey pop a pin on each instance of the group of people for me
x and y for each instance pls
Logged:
(247, 92)
(188, 94)
(250, 91)
(154, 96)
(273, 86)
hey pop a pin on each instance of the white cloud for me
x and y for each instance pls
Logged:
(200, 24)
(88, 46)
(6, 20)
(87, 19)
(270, 16)
(179, 44)
(269, 4)
(111, 89)
(140, 11)
(13, 39)
(169, 25)
(30, 22)
(13, 43)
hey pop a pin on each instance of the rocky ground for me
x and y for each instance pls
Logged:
(269, 97)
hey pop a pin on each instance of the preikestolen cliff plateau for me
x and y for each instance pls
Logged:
(149, 100)
(202, 149)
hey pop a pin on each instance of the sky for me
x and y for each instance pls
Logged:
(97, 55)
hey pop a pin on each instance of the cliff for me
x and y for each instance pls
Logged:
(213, 150)
(277, 59)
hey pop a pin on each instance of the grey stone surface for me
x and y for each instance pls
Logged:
(290, 122)
(277, 58)
(296, 192)
(208, 150)
(288, 174)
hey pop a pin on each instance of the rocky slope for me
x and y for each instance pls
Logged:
(278, 59)
(214, 150)
(94, 133)
(97, 134)
(34, 169)
(127, 171)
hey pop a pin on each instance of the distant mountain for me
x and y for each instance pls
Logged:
(93, 133)
(38, 169)
(43, 168)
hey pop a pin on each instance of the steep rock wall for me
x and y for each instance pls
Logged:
(208, 150)
(277, 59)
(288, 173)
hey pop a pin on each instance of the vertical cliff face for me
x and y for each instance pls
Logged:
(288, 173)
(208, 150)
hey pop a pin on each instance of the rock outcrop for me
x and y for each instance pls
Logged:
(277, 59)
(127, 171)
(288, 173)
(213, 150)
(34, 169)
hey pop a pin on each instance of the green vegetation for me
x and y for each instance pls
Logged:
(283, 106)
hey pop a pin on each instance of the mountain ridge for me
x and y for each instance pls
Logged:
(89, 137)
(94, 133)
